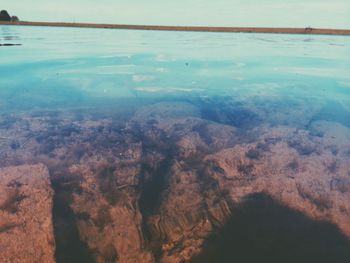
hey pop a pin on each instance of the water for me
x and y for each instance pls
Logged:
(94, 64)
(262, 112)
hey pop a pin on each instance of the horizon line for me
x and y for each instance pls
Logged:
(275, 30)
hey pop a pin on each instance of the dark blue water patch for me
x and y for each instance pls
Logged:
(226, 111)
(238, 117)
(263, 230)
(333, 111)
(279, 110)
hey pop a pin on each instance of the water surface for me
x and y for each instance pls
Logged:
(161, 116)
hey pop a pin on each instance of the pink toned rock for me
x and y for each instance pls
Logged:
(26, 229)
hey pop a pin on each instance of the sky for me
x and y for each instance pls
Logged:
(269, 13)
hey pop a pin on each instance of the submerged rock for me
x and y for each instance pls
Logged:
(26, 229)
(156, 187)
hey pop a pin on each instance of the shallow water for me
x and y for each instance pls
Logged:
(94, 64)
(258, 112)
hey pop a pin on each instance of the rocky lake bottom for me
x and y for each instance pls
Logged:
(120, 146)
(192, 179)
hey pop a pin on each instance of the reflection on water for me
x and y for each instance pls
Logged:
(9, 45)
(8, 36)
(159, 137)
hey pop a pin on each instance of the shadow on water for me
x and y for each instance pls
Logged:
(262, 230)
(69, 247)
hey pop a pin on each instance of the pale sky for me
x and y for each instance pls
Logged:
(269, 13)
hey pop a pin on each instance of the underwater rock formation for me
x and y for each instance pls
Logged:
(26, 230)
(155, 186)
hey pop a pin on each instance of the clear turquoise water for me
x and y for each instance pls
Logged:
(63, 67)
(71, 97)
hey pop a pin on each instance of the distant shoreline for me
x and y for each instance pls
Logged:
(305, 31)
